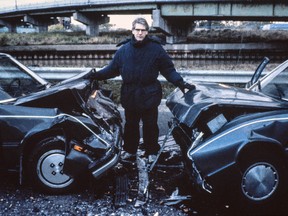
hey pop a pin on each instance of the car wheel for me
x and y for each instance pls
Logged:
(262, 182)
(46, 167)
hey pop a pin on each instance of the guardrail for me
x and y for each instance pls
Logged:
(222, 76)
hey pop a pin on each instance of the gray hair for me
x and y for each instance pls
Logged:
(141, 21)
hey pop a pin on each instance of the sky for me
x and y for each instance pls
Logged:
(125, 21)
(120, 21)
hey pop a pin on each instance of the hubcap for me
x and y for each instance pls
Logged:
(50, 169)
(260, 181)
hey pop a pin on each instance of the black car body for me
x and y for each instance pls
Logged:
(52, 134)
(234, 139)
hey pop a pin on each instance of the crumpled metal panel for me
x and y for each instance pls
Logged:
(187, 108)
(103, 107)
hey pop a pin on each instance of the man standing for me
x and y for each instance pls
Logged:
(139, 61)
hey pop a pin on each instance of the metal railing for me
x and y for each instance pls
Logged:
(241, 77)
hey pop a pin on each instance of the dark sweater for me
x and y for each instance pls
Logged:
(139, 64)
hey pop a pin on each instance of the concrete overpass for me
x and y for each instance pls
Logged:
(173, 18)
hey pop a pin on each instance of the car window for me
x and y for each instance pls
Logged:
(14, 81)
(278, 86)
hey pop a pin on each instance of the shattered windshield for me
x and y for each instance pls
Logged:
(15, 82)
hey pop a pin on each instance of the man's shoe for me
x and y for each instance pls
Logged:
(142, 147)
(128, 157)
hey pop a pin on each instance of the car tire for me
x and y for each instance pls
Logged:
(262, 183)
(46, 167)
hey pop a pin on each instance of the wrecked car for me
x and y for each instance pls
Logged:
(52, 134)
(234, 139)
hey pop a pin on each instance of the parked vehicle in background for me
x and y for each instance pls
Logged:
(234, 140)
(275, 26)
(54, 133)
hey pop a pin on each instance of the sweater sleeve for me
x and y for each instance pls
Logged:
(167, 68)
(111, 70)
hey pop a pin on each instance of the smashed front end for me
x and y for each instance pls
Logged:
(98, 150)
(203, 115)
(94, 134)
(93, 149)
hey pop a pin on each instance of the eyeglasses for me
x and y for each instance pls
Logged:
(140, 30)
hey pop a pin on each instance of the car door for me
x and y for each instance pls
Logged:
(10, 135)
(258, 72)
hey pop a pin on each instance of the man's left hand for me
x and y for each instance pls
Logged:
(184, 85)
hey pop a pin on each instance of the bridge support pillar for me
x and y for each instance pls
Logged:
(10, 25)
(176, 30)
(41, 23)
(91, 21)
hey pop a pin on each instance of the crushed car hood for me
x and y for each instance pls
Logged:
(187, 107)
(72, 96)
(62, 96)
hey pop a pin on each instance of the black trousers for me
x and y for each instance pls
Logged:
(150, 131)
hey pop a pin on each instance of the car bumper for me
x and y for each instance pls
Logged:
(98, 168)
(198, 181)
(80, 159)
(112, 157)
(220, 182)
